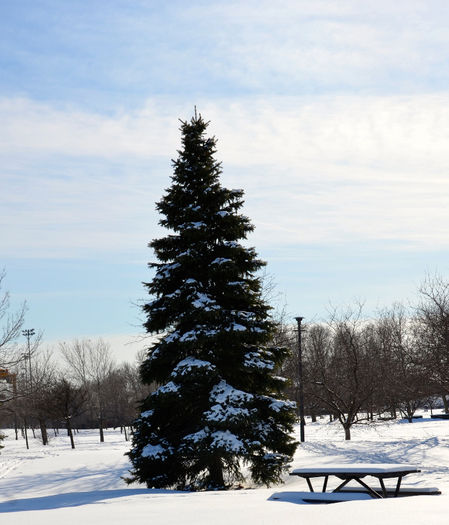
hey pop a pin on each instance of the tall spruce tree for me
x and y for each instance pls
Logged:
(220, 404)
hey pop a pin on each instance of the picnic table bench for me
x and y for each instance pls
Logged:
(358, 473)
(440, 416)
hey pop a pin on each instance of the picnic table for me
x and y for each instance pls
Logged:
(358, 472)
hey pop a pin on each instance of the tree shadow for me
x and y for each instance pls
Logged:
(398, 451)
(73, 499)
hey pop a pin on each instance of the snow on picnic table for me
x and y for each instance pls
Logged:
(54, 484)
(358, 468)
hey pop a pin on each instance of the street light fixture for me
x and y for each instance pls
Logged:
(302, 421)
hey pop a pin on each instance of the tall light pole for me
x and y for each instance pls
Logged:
(302, 421)
(28, 334)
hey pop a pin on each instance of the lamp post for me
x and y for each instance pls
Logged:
(28, 334)
(302, 421)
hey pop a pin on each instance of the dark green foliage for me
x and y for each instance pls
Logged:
(220, 403)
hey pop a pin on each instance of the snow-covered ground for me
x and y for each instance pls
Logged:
(54, 484)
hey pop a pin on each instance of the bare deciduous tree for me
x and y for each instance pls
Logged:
(432, 331)
(10, 328)
(90, 363)
(342, 367)
(66, 402)
(402, 378)
(44, 377)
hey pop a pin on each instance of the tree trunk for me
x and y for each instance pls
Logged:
(445, 403)
(100, 424)
(409, 412)
(25, 432)
(347, 432)
(43, 432)
(70, 433)
(216, 474)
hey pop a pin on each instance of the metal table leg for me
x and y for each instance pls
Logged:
(310, 485)
(384, 490)
(398, 486)
(371, 491)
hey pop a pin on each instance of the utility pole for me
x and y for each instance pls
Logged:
(302, 421)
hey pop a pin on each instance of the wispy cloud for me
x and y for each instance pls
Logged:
(314, 46)
(118, 57)
(336, 169)
(332, 116)
(39, 128)
(392, 132)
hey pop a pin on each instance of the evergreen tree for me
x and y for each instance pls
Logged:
(219, 404)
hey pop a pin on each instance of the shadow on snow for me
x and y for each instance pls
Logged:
(73, 499)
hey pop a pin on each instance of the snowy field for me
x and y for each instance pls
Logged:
(54, 484)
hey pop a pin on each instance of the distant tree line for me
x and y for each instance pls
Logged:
(354, 370)
(89, 390)
(357, 369)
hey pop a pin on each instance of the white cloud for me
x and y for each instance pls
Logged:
(31, 127)
(314, 169)
(312, 46)
(397, 131)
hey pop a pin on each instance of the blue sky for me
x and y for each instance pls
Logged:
(332, 116)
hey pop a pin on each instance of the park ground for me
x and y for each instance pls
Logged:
(55, 484)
